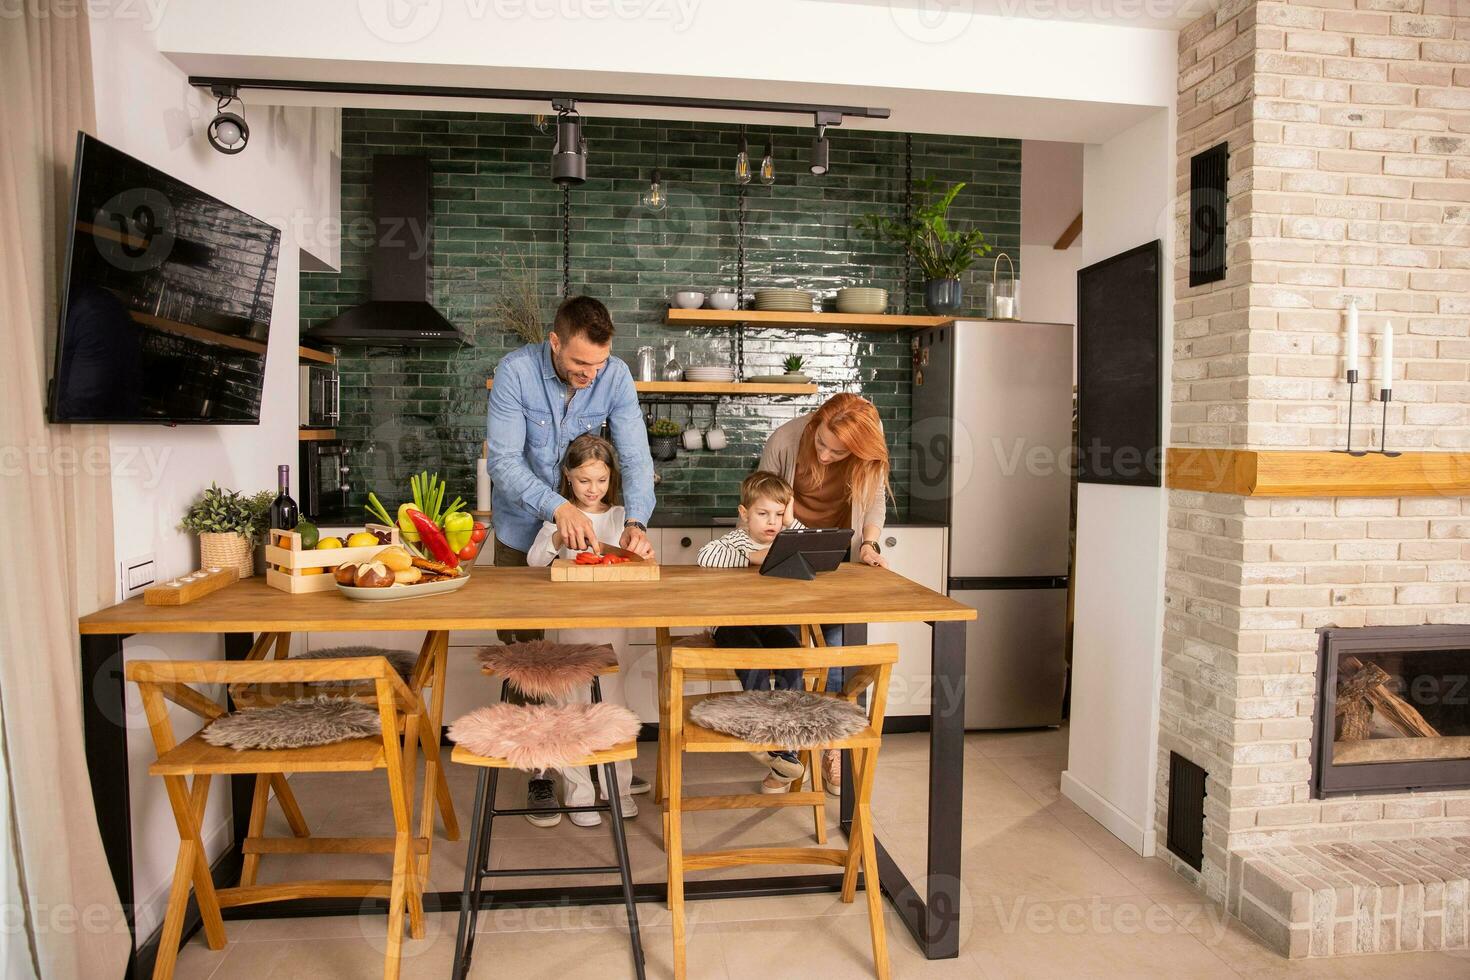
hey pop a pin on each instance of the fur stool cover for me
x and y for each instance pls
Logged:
(793, 719)
(541, 669)
(402, 660)
(295, 724)
(544, 736)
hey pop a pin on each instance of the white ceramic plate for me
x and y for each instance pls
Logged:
(403, 591)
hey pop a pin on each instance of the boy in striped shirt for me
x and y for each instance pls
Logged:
(765, 510)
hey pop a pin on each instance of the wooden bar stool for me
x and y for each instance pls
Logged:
(400, 718)
(504, 736)
(814, 679)
(866, 665)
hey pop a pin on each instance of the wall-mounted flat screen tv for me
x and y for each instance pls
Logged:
(166, 299)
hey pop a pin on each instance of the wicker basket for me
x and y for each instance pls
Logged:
(227, 550)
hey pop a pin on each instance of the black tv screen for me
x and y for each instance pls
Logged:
(166, 300)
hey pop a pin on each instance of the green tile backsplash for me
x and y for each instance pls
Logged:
(412, 410)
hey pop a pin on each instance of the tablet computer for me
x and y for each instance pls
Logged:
(801, 553)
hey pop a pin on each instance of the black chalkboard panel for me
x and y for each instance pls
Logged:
(1118, 360)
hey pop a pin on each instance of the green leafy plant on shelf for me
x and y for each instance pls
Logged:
(940, 250)
(793, 364)
(219, 511)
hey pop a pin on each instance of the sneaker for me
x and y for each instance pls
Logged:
(587, 818)
(630, 809)
(638, 786)
(774, 783)
(541, 795)
(784, 764)
(832, 772)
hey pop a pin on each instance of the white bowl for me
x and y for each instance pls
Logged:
(688, 299)
(723, 299)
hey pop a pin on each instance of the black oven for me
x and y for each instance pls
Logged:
(324, 480)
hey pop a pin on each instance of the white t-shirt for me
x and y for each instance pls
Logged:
(608, 525)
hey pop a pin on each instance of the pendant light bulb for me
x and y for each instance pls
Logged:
(655, 199)
(742, 162)
(768, 166)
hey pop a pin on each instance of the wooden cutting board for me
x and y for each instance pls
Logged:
(640, 570)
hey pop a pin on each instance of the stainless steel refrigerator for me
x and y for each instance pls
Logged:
(990, 453)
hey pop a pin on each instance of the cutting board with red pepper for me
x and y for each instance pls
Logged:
(612, 565)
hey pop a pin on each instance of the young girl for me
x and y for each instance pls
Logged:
(589, 479)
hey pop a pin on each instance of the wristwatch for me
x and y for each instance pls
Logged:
(871, 544)
(638, 524)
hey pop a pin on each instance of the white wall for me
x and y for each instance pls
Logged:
(287, 176)
(1117, 652)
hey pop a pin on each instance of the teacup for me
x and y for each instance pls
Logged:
(715, 438)
(692, 437)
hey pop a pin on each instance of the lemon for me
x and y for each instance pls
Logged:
(312, 571)
(326, 543)
(362, 539)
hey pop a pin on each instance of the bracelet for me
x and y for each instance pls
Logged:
(871, 544)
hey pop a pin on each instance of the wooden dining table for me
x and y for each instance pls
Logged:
(525, 598)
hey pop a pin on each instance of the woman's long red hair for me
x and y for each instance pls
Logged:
(853, 420)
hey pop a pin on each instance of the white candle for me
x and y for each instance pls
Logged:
(1385, 366)
(1352, 337)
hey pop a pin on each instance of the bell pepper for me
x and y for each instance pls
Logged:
(458, 527)
(433, 538)
(405, 522)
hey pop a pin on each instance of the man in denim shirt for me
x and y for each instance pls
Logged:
(545, 395)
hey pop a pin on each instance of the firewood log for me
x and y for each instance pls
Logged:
(1392, 708)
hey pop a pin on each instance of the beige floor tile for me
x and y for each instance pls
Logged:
(1049, 742)
(832, 948)
(1120, 936)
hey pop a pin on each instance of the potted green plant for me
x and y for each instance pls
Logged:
(793, 366)
(229, 523)
(941, 252)
(663, 439)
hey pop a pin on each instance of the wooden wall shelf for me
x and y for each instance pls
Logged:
(198, 333)
(735, 388)
(1316, 473)
(311, 354)
(812, 321)
(315, 435)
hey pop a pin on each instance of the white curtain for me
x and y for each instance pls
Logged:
(61, 915)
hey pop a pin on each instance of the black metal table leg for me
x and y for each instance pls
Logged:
(105, 741)
(242, 788)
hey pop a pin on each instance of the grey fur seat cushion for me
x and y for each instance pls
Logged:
(295, 724)
(402, 660)
(794, 719)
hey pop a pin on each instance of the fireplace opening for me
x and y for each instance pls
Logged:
(1393, 709)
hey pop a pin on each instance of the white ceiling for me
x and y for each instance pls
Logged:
(951, 17)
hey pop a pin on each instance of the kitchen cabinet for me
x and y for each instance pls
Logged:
(919, 554)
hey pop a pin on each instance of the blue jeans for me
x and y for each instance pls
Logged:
(769, 637)
(833, 636)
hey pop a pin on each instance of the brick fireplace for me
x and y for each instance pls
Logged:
(1348, 127)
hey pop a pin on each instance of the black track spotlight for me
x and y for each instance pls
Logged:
(228, 132)
(820, 152)
(569, 155)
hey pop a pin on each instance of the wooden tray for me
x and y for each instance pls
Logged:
(567, 570)
(177, 592)
(289, 567)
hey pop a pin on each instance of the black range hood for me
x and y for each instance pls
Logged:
(399, 313)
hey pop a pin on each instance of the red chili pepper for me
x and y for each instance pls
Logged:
(434, 538)
(586, 558)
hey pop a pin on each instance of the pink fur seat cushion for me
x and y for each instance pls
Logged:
(541, 669)
(544, 736)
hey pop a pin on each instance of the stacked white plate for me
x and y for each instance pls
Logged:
(783, 300)
(862, 299)
(709, 374)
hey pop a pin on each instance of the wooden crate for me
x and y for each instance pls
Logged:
(287, 564)
(567, 570)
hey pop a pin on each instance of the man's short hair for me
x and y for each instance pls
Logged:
(764, 485)
(583, 316)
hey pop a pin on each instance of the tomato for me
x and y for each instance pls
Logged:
(479, 533)
(469, 551)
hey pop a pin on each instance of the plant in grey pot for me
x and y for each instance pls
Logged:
(228, 524)
(663, 439)
(941, 252)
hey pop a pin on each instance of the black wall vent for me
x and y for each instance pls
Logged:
(1186, 810)
(1208, 172)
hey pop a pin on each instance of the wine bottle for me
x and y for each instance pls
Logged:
(284, 513)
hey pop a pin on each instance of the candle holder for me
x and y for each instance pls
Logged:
(1352, 380)
(1384, 395)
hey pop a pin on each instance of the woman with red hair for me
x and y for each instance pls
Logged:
(836, 461)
